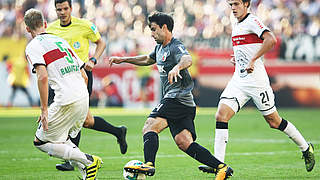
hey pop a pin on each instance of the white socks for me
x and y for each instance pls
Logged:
(296, 136)
(66, 151)
(220, 143)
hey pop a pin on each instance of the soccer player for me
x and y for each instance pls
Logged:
(56, 63)
(176, 109)
(251, 40)
(78, 32)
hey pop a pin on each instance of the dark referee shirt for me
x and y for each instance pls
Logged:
(167, 57)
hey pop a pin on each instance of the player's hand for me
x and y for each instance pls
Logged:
(174, 74)
(89, 65)
(233, 60)
(44, 120)
(250, 67)
(115, 59)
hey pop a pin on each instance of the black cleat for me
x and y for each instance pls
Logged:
(308, 157)
(122, 140)
(207, 169)
(66, 166)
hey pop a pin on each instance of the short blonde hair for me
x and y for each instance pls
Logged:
(33, 19)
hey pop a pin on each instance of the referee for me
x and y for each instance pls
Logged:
(78, 32)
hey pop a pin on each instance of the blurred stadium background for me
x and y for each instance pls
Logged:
(203, 25)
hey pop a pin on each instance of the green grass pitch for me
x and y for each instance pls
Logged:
(254, 150)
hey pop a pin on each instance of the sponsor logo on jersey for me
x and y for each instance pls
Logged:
(161, 68)
(76, 45)
(94, 28)
(165, 55)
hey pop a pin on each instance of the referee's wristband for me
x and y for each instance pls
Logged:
(94, 60)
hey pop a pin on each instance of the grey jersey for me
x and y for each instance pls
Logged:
(166, 58)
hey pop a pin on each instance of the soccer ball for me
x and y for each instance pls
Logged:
(133, 176)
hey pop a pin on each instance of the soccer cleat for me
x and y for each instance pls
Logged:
(66, 166)
(145, 168)
(308, 157)
(224, 172)
(122, 140)
(207, 169)
(92, 169)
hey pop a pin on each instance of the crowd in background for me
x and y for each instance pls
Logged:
(200, 23)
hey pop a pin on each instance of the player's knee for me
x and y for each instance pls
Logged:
(273, 125)
(273, 122)
(221, 117)
(182, 143)
(88, 123)
(147, 126)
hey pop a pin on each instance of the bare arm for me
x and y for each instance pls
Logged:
(101, 45)
(142, 60)
(184, 63)
(42, 76)
(268, 43)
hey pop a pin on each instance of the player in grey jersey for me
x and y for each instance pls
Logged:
(177, 108)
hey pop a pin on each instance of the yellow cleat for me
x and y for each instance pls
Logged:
(92, 169)
(308, 157)
(144, 168)
(224, 172)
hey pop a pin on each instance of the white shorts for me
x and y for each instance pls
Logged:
(63, 121)
(235, 97)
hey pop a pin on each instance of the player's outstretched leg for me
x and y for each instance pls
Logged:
(69, 151)
(66, 165)
(150, 148)
(308, 157)
(144, 168)
(202, 155)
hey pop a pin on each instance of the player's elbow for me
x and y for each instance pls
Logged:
(101, 43)
(43, 78)
(273, 41)
(188, 61)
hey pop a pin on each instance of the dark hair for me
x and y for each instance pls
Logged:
(248, 1)
(160, 19)
(61, 1)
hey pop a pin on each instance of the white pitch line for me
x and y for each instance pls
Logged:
(265, 140)
(176, 155)
(228, 154)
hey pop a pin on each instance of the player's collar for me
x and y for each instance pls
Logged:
(244, 18)
(172, 38)
(66, 25)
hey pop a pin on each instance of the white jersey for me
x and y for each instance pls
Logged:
(63, 66)
(246, 39)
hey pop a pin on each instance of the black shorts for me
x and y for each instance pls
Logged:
(90, 81)
(178, 115)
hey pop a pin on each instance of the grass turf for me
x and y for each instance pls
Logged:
(254, 150)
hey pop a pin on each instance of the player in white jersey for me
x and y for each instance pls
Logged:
(251, 40)
(56, 63)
